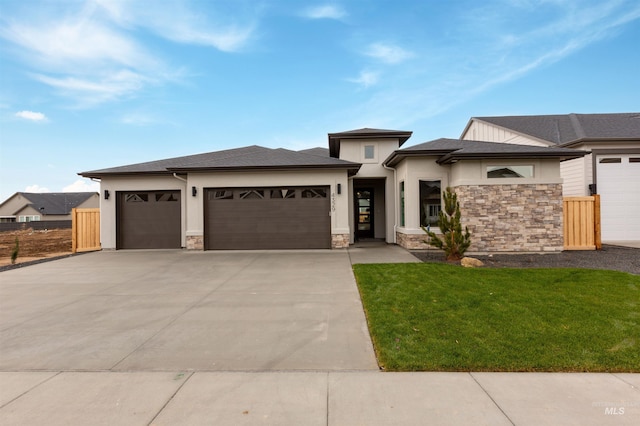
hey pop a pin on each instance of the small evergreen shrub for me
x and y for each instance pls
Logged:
(15, 251)
(453, 241)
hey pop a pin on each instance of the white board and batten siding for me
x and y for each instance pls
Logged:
(479, 131)
(577, 176)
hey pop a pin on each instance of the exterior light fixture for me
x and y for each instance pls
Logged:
(339, 188)
(106, 194)
(194, 191)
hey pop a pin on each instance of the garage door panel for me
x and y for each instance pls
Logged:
(289, 221)
(149, 220)
(619, 188)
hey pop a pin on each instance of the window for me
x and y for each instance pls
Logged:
(283, 193)
(430, 202)
(314, 193)
(610, 160)
(251, 194)
(369, 152)
(401, 203)
(222, 194)
(166, 196)
(33, 218)
(634, 160)
(505, 172)
(136, 198)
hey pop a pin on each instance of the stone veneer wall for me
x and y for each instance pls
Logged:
(506, 218)
(195, 242)
(339, 241)
(513, 218)
(413, 241)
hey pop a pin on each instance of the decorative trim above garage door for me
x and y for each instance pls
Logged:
(267, 218)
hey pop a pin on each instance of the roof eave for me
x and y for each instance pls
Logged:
(587, 140)
(399, 155)
(454, 157)
(98, 174)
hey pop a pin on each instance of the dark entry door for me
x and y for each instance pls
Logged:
(364, 213)
(148, 220)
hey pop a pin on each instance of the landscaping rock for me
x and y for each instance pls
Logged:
(471, 262)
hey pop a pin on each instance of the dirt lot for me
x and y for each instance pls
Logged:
(34, 244)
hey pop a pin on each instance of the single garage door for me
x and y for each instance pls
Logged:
(148, 220)
(267, 218)
(618, 183)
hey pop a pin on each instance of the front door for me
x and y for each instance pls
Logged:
(364, 213)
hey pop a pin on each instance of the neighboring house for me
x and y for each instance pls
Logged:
(612, 169)
(33, 207)
(363, 187)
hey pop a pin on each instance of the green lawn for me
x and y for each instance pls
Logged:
(441, 317)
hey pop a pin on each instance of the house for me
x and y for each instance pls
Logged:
(365, 186)
(612, 169)
(32, 207)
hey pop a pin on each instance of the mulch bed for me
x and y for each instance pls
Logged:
(615, 258)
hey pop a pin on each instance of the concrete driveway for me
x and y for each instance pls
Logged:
(176, 310)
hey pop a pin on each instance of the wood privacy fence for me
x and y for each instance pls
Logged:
(85, 232)
(582, 223)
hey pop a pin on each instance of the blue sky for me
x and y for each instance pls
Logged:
(99, 83)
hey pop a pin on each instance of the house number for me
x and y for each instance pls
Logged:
(333, 201)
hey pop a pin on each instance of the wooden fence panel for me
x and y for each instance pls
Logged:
(582, 223)
(85, 230)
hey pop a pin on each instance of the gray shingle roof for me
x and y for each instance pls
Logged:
(56, 203)
(322, 152)
(566, 129)
(450, 150)
(251, 157)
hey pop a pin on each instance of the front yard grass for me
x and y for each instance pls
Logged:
(440, 317)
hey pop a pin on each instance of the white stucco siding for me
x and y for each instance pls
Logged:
(474, 172)
(145, 183)
(481, 131)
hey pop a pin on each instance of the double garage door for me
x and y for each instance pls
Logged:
(618, 178)
(234, 218)
(267, 218)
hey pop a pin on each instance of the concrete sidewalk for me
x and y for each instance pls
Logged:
(318, 398)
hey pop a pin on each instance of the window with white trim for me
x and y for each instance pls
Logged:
(31, 218)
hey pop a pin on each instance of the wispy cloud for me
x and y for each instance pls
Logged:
(32, 116)
(179, 22)
(138, 119)
(512, 45)
(94, 53)
(327, 11)
(366, 79)
(388, 53)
